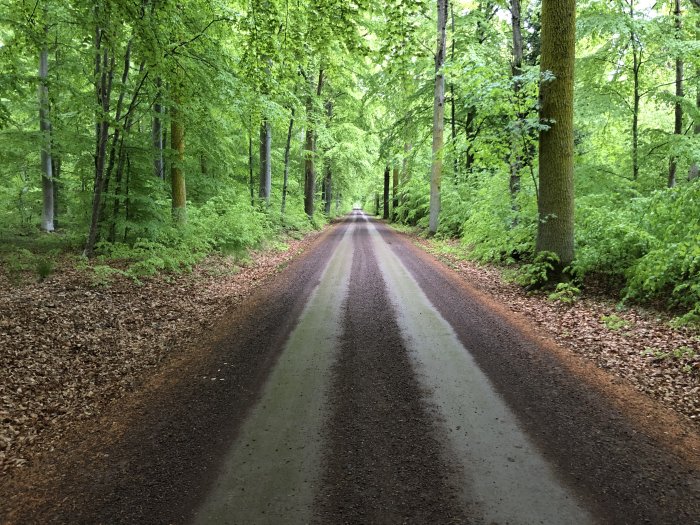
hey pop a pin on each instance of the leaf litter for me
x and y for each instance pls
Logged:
(69, 348)
(637, 345)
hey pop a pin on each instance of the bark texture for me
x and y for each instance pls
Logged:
(395, 192)
(555, 231)
(47, 183)
(287, 147)
(309, 168)
(387, 177)
(678, 108)
(265, 161)
(157, 133)
(516, 71)
(177, 174)
(438, 118)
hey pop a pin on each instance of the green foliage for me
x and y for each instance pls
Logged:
(566, 293)
(614, 322)
(536, 273)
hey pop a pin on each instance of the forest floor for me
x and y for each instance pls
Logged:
(367, 382)
(636, 344)
(72, 345)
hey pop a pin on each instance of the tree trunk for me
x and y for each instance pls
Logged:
(438, 118)
(47, 182)
(287, 147)
(395, 193)
(471, 133)
(555, 232)
(635, 114)
(104, 73)
(157, 134)
(328, 174)
(265, 161)
(251, 179)
(56, 172)
(309, 170)
(453, 112)
(516, 71)
(387, 177)
(177, 174)
(693, 171)
(678, 109)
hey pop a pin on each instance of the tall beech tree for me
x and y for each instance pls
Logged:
(555, 227)
(385, 200)
(47, 179)
(438, 118)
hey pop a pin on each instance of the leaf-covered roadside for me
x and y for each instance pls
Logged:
(70, 347)
(634, 344)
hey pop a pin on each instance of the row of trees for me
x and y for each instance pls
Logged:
(274, 112)
(146, 109)
(528, 157)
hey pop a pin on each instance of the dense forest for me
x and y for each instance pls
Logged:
(558, 136)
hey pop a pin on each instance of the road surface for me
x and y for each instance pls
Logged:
(367, 384)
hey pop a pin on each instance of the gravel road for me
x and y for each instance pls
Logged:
(367, 383)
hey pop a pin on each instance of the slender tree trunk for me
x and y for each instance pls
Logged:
(265, 161)
(177, 174)
(157, 133)
(438, 118)
(395, 193)
(127, 201)
(251, 178)
(47, 182)
(376, 204)
(453, 112)
(693, 171)
(516, 71)
(328, 173)
(287, 147)
(678, 109)
(387, 178)
(309, 169)
(116, 203)
(471, 133)
(56, 172)
(104, 72)
(555, 232)
(635, 114)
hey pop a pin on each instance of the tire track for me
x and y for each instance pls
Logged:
(384, 462)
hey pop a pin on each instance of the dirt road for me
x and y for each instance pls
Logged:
(367, 384)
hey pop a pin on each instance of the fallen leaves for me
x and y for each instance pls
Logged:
(636, 345)
(68, 348)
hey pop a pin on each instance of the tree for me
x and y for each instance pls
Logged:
(438, 117)
(555, 231)
(265, 161)
(678, 107)
(310, 153)
(47, 182)
(385, 202)
(517, 71)
(177, 173)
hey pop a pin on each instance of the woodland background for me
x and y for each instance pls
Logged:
(147, 134)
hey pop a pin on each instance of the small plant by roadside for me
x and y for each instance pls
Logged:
(536, 273)
(566, 293)
(614, 322)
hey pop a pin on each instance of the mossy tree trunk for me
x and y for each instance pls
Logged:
(555, 232)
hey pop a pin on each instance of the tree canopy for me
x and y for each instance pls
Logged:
(161, 131)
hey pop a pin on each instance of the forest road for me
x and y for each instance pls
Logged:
(367, 384)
